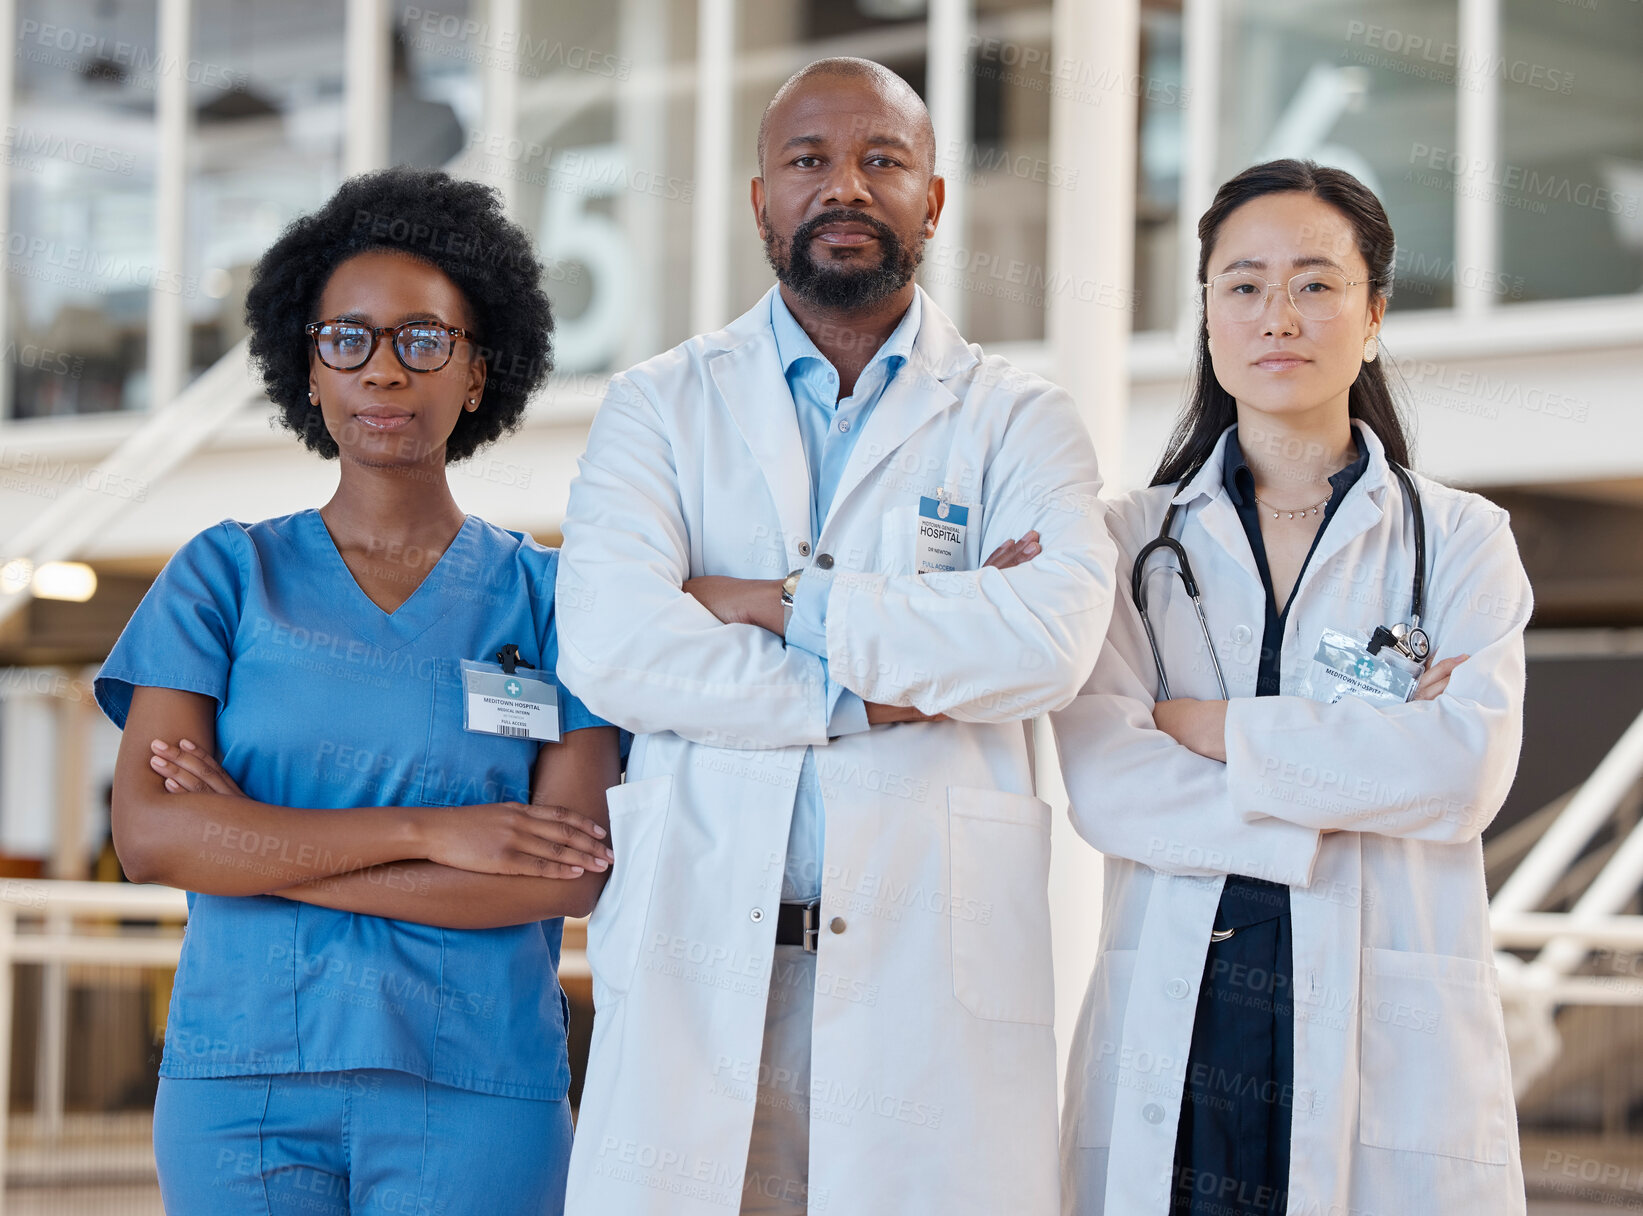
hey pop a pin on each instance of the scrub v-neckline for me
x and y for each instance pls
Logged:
(418, 610)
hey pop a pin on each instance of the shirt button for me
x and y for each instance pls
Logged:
(1242, 635)
(804, 548)
(836, 924)
(1178, 988)
(844, 425)
(1152, 1113)
(756, 915)
(824, 560)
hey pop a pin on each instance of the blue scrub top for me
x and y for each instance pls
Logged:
(327, 701)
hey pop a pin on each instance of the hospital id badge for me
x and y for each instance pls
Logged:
(1343, 667)
(941, 528)
(512, 704)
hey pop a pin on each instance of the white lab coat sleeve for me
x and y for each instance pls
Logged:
(1427, 770)
(993, 645)
(636, 649)
(1136, 793)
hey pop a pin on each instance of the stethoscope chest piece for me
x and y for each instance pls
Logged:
(1412, 640)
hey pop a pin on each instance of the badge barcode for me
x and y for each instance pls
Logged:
(516, 732)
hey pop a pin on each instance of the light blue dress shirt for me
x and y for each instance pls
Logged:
(829, 428)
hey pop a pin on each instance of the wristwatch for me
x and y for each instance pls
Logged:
(790, 588)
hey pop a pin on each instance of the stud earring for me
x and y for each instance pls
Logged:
(1371, 348)
(312, 400)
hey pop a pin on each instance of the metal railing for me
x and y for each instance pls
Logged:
(1532, 989)
(58, 924)
(53, 924)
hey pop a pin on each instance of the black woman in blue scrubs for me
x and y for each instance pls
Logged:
(341, 739)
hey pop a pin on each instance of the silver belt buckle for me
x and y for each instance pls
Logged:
(812, 926)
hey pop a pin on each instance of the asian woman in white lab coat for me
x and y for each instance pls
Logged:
(1294, 1007)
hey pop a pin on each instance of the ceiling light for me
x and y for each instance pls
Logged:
(73, 581)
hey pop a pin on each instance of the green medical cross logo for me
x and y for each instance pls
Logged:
(514, 688)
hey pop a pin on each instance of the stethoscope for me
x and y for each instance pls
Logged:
(1409, 639)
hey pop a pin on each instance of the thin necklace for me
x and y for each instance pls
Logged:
(1302, 512)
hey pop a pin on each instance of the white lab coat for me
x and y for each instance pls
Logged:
(933, 1060)
(1403, 1100)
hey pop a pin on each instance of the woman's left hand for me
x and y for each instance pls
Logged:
(1434, 680)
(1200, 726)
(188, 770)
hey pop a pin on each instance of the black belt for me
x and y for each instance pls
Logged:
(799, 924)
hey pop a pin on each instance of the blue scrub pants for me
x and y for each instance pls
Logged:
(351, 1143)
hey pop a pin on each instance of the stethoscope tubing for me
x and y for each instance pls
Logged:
(1189, 582)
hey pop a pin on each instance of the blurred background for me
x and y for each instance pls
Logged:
(153, 148)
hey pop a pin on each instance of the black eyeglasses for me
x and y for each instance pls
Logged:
(422, 346)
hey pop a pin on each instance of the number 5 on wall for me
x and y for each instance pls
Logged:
(572, 232)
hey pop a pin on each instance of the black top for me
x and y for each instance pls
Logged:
(1247, 901)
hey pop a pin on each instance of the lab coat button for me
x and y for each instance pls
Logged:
(844, 426)
(836, 924)
(1152, 1113)
(804, 548)
(756, 915)
(1241, 635)
(824, 560)
(1178, 988)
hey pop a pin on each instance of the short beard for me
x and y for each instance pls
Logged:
(843, 288)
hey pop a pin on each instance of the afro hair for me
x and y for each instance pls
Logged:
(456, 226)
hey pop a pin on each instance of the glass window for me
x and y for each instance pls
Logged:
(1002, 261)
(1367, 88)
(601, 164)
(80, 250)
(1161, 100)
(1569, 182)
(435, 90)
(266, 147)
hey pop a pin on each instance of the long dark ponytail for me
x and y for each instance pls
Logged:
(1209, 408)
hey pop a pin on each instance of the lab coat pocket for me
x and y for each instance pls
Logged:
(1102, 1031)
(999, 907)
(898, 541)
(1434, 1072)
(638, 815)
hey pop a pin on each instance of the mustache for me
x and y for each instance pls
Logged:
(806, 232)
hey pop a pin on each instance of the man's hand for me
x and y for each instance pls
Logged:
(1014, 552)
(741, 601)
(1010, 553)
(889, 715)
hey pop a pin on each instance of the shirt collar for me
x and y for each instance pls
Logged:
(793, 344)
(1239, 480)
